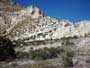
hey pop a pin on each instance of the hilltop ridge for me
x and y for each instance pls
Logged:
(30, 22)
(7, 5)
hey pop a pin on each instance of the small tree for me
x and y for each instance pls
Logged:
(67, 58)
(68, 53)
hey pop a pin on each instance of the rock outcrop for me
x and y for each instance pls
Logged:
(34, 11)
(26, 24)
(7, 5)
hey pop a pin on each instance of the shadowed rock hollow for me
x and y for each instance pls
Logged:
(6, 49)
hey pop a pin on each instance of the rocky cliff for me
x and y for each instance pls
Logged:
(29, 28)
(31, 23)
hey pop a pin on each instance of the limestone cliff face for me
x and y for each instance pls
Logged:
(31, 23)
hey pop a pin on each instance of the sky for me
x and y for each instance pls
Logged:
(72, 10)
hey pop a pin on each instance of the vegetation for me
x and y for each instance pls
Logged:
(68, 53)
(67, 58)
(64, 52)
(7, 51)
(46, 53)
(22, 55)
(41, 54)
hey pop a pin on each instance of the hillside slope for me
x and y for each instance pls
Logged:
(28, 28)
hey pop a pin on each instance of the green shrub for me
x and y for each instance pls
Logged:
(46, 53)
(22, 55)
(68, 53)
(67, 61)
